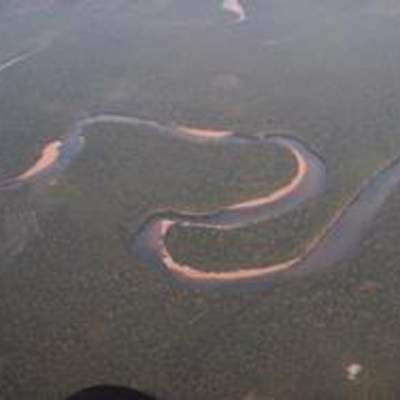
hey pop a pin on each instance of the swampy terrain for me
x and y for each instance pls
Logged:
(80, 306)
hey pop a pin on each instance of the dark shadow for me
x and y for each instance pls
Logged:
(109, 392)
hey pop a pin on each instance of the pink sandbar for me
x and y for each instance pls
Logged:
(234, 7)
(49, 156)
(230, 276)
(226, 276)
(204, 133)
(302, 169)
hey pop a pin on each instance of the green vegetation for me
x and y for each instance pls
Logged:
(78, 309)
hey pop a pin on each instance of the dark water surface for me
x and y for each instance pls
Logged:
(79, 309)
